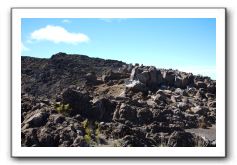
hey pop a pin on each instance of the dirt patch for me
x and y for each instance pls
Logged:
(114, 90)
(209, 133)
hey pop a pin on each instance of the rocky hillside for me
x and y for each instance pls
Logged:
(78, 101)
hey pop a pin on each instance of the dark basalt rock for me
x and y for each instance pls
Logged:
(78, 101)
(103, 110)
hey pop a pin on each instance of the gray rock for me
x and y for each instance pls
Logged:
(136, 86)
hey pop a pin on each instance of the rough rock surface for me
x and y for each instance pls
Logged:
(78, 101)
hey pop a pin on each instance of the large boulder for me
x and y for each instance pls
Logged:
(103, 109)
(143, 77)
(110, 75)
(155, 77)
(136, 86)
(178, 83)
(124, 113)
(169, 77)
(150, 77)
(78, 101)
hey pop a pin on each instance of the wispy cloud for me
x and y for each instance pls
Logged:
(109, 20)
(24, 48)
(58, 34)
(66, 21)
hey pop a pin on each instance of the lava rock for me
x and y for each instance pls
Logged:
(78, 101)
(169, 77)
(103, 109)
(38, 119)
(181, 139)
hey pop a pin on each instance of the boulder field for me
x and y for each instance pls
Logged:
(78, 101)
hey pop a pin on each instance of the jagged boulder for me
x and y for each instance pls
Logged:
(79, 102)
(103, 109)
(169, 77)
(111, 75)
(156, 78)
(143, 77)
(136, 86)
(124, 113)
(178, 82)
(150, 77)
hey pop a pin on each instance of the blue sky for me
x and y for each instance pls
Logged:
(187, 44)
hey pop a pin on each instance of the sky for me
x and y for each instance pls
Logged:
(186, 44)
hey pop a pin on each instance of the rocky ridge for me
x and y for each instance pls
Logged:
(78, 101)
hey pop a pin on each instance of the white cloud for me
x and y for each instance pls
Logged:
(24, 48)
(66, 21)
(58, 34)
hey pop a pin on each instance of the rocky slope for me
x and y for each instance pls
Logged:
(78, 101)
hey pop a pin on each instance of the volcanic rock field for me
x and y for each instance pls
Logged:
(78, 101)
